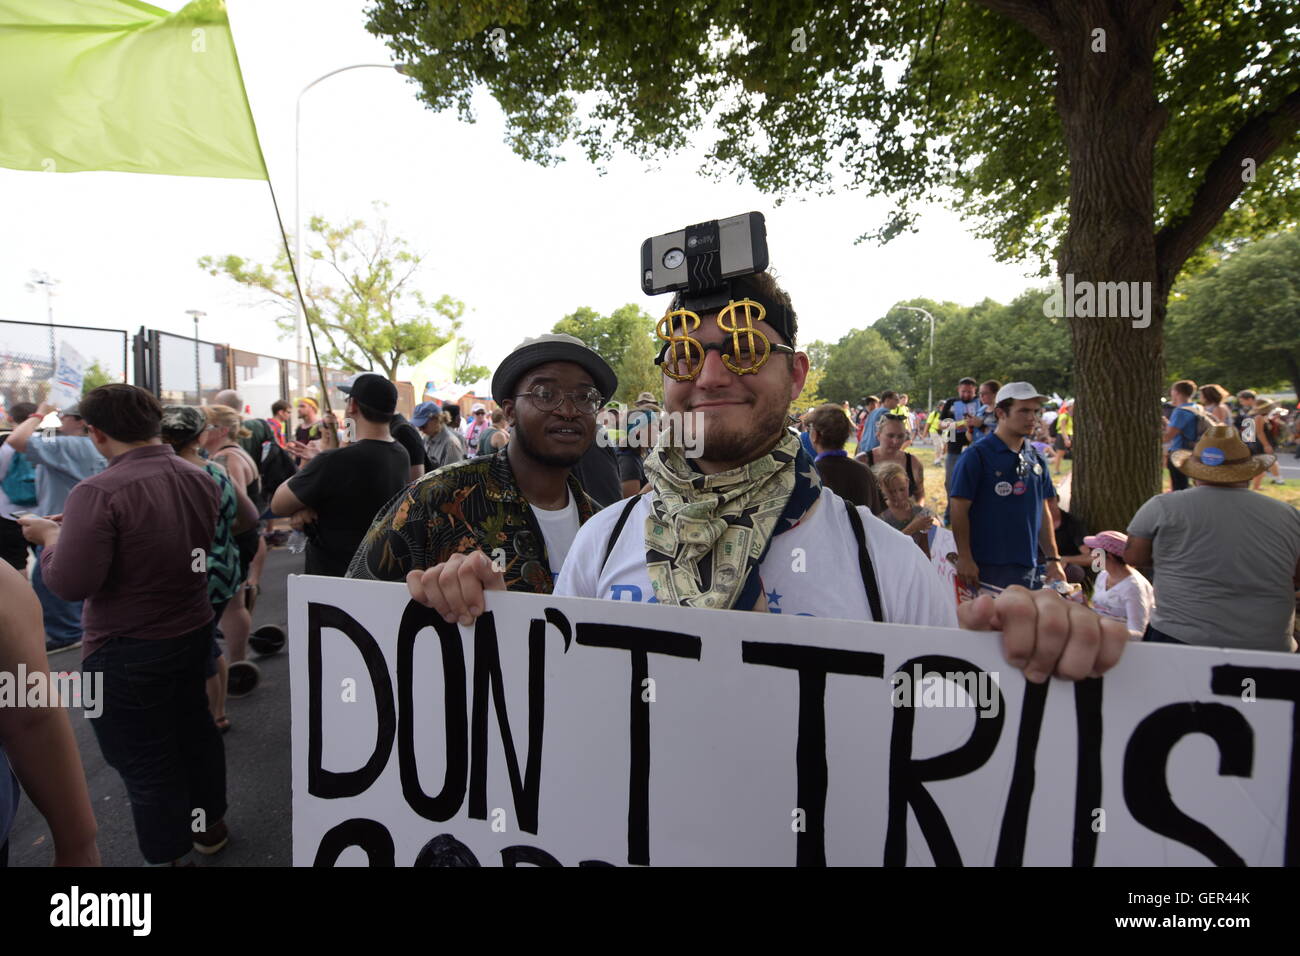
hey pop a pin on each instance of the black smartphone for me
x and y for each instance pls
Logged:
(702, 257)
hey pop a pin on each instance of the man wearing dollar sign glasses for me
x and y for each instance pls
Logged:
(747, 526)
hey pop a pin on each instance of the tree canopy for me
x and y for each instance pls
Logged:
(626, 339)
(860, 364)
(361, 299)
(1238, 324)
(907, 100)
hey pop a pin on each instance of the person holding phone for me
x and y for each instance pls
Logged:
(62, 461)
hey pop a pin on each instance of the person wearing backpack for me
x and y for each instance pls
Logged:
(1183, 427)
(17, 494)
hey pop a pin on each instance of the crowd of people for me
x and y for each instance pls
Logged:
(145, 528)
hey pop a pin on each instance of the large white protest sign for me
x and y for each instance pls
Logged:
(69, 374)
(592, 732)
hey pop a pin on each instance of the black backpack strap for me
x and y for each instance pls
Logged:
(618, 529)
(864, 563)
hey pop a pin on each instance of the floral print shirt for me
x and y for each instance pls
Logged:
(471, 505)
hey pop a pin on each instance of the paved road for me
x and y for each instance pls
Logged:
(257, 764)
(1290, 466)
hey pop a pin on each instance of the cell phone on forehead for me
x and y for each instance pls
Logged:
(704, 256)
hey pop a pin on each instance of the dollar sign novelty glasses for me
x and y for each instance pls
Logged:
(747, 351)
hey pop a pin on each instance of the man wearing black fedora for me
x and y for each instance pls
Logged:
(513, 513)
(1226, 559)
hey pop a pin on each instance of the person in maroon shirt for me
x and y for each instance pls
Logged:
(132, 543)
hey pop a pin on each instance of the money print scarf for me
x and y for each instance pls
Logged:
(707, 535)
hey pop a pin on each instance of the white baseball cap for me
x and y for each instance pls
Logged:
(1021, 391)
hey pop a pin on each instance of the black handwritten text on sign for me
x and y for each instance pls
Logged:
(564, 732)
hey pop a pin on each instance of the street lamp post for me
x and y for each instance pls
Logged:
(929, 400)
(42, 280)
(198, 381)
(301, 324)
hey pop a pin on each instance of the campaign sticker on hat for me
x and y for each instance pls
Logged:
(1212, 456)
(1018, 488)
(1003, 488)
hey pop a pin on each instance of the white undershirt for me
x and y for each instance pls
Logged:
(558, 529)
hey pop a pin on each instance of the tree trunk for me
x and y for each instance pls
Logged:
(1111, 120)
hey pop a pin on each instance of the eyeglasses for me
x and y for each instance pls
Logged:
(547, 399)
(747, 351)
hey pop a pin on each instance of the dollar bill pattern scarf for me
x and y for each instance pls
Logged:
(707, 535)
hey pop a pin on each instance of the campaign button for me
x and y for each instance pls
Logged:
(1018, 488)
(1003, 488)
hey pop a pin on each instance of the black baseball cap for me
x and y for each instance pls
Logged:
(553, 347)
(373, 391)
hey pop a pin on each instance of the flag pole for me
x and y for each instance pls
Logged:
(284, 235)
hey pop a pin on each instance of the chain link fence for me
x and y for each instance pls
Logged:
(180, 370)
(29, 353)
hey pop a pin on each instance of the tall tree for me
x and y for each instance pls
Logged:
(361, 300)
(1239, 324)
(626, 340)
(860, 364)
(1113, 137)
(908, 331)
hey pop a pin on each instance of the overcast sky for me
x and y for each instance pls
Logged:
(522, 245)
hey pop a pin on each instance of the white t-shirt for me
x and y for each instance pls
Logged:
(558, 528)
(1130, 601)
(811, 570)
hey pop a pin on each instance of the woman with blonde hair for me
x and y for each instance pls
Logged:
(1213, 396)
(221, 442)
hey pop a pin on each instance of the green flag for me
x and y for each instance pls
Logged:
(122, 85)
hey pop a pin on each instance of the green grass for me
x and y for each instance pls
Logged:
(937, 499)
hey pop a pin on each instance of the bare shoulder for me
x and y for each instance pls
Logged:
(21, 609)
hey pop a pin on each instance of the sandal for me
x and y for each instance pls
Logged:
(223, 724)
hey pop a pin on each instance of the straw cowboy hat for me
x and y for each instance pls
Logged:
(1220, 458)
(1263, 408)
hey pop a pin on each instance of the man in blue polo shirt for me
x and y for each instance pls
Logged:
(1181, 430)
(1000, 488)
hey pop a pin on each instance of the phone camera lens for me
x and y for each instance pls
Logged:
(674, 258)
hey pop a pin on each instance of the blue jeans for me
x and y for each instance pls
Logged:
(157, 732)
(1005, 575)
(62, 618)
